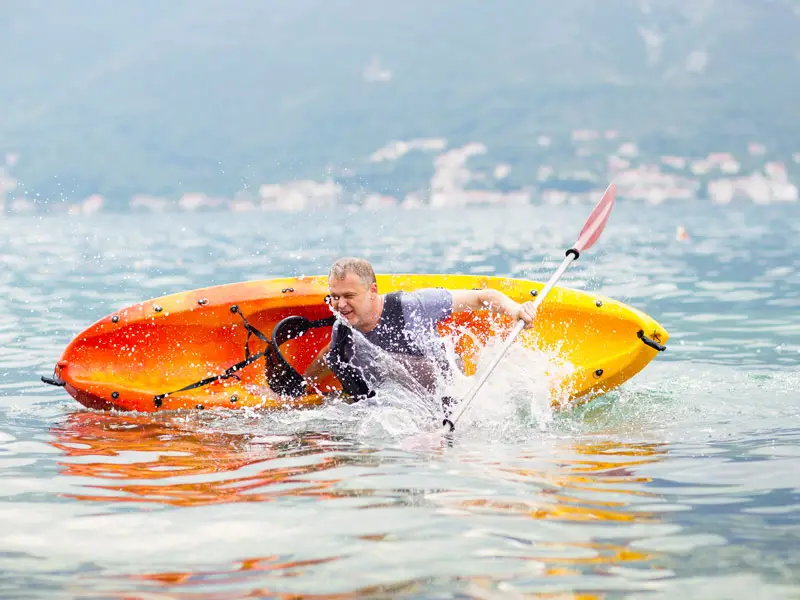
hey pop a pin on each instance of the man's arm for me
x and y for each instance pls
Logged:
(493, 300)
(317, 371)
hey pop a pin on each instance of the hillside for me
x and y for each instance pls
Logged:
(205, 95)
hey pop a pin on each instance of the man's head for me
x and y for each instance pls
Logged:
(354, 292)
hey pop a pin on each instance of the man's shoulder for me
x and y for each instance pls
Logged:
(428, 304)
(423, 290)
(424, 294)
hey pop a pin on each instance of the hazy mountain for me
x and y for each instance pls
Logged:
(215, 96)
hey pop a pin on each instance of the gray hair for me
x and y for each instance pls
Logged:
(350, 264)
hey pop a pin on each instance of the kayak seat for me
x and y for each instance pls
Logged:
(282, 377)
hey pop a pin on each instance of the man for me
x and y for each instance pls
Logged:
(399, 327)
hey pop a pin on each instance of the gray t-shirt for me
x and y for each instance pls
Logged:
(422, 310)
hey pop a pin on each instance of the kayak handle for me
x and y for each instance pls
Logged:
(54, 381)
(652, 343)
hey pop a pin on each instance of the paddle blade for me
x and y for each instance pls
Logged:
(597, 220)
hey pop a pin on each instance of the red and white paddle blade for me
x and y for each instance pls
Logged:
(597, 220)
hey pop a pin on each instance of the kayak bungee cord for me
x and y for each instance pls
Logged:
(230, 371)
(281, 376)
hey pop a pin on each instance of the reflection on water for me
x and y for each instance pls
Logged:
(172, 461)
(273, 566)
(684, 483)
(185, 585)
(138, 458)
(607, 483)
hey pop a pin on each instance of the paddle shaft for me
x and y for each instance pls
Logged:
(588, 236)
(571, 256)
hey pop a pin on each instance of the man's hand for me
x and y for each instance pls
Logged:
(526, 312)
(493, 300)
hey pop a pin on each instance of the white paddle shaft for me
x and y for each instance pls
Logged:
(463, 405)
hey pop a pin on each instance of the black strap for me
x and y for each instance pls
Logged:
(230, 371)
(227, 374)
(281, 376)
(250, 330)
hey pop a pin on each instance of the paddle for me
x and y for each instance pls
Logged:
(589, 234)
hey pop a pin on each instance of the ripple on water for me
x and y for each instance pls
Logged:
(683, 482)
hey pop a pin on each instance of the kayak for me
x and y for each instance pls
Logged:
(209, 348)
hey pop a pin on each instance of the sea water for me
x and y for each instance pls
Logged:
(684, 481)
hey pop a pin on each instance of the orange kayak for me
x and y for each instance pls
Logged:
(201, 349)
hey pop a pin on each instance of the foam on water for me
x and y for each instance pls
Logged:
(519, 394)
(516, 401)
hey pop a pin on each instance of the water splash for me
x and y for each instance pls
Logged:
(515, 401)
(519, 396)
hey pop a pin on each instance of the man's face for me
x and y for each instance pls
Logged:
(353, 300)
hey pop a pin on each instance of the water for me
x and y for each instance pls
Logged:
(682, 482)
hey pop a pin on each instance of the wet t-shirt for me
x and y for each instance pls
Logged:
(422, 310)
